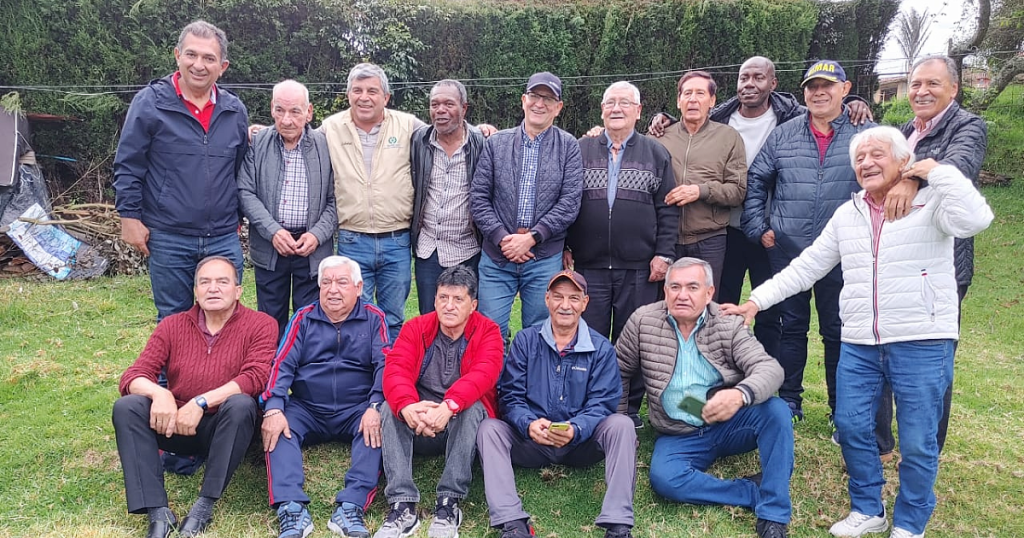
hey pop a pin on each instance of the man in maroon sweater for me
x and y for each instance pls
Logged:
(218, 356)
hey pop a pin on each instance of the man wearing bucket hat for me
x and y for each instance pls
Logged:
(557, 397)
(525, 194)
(803, 174)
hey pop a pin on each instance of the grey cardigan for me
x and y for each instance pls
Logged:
(648, 342)
(259, 190)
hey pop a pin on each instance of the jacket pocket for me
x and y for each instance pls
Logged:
(927, 295)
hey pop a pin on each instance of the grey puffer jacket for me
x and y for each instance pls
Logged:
(648, 342)
(959, 139)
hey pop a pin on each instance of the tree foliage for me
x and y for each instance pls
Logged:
(122, 44)
(912, 31)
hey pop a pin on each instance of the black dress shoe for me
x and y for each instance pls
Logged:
(192, 526)
(162, 528)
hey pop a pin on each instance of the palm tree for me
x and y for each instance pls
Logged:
(912, 30)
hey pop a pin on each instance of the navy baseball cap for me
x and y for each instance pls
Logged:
(829, 70)
(546, 79)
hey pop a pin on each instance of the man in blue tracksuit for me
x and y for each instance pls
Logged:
(332, 360)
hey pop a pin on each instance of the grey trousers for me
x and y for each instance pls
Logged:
(614, 440)
(457, 443)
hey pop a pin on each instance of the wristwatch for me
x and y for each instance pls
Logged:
(666, 259)
(535, 235)
(452, 406)
(375, 406)
(201, 402)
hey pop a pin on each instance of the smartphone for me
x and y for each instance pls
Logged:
(692, 405)
(559, 426)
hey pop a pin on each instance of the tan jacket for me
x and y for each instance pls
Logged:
(715, 159)
(383, 202)
(648, 342)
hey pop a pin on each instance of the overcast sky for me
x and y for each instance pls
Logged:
(945, 15)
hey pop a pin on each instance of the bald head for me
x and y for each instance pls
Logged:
(755, 84)
(291, 110)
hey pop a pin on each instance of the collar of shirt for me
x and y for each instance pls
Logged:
(465, 136)
(925, 127)
(526, 138)
(280, 142)
(177, 89)
(622, 145)
(696, 327)
(877, 212)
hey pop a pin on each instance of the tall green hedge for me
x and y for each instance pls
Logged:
(493, 45)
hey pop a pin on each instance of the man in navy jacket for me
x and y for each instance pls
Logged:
(181, 146)
(325, 385)
(557, 396)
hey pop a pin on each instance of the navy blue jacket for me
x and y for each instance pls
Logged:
(494, 194)
(331, 370)
(959, 139)
(582, 386)
(804, 191)
(173, 175)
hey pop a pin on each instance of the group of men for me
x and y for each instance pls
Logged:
(618, 246)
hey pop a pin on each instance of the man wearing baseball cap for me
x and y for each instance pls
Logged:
(557, 396)
(525, 193)
(802, 175)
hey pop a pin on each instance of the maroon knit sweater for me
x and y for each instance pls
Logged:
(243, 352)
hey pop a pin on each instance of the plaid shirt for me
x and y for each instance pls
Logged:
(293, 207)
(447, 221)
(528, 179)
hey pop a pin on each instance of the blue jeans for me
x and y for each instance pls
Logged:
(499, 285)
(427, 271)
(679, 462)
(386, 264)
(919, 373)
(172, 266)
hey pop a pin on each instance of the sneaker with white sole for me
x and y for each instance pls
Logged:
(294, 520)
(400, 522)
(858, 524)
(347, 521)
(447, 518)
(904, 533)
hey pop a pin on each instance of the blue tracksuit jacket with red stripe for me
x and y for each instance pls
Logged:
(329, 368)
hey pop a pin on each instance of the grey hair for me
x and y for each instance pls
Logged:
(450, 83)
(280, 86)
(341, 261)
(459, 276)
(205, 30)
(683, 263)
(622, 85)
(208, 259)
(367, 70)
(887, 135)
(951, 70)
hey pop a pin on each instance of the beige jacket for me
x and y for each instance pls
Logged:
(648, 342)
(715, 159)
(383, 202)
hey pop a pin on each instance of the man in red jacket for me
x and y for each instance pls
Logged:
(440, 383)
(217, 356)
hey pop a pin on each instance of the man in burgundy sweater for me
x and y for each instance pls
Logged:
(218, 356)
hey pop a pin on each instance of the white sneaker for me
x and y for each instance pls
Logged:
(904, 533)
(858, 524)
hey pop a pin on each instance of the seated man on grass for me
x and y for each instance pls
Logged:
(558, 393)
(709, 389)
(326, 386)
(217, 356)
(440, 383)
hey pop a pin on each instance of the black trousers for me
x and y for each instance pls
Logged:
(711, 250)
(289, 282)
(222, 437)
(614, 295)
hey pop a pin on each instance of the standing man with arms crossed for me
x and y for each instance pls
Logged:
(370, 155)
(525, 193)
(710, 167)
(287, 193)
(175, 170)
(444, 156)
(624, 237)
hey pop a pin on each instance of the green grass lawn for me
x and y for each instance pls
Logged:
(63, 347)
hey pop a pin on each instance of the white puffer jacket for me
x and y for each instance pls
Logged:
(903, 288)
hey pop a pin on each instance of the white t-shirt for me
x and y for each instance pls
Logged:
(753, 131)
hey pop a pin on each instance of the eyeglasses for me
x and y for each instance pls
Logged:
(621, 104)
(536, 97)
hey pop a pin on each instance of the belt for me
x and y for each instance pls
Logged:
(385, 234)
(296, 233)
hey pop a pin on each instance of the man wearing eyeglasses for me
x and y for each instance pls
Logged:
(624, 237)
(710, 164)
(525, 193)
